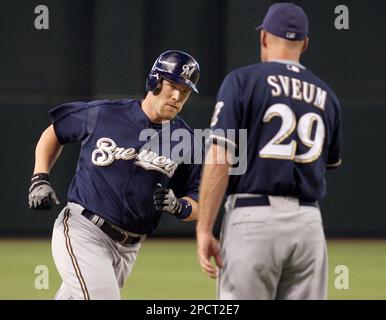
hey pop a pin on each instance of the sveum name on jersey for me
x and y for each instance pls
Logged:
(164, 150)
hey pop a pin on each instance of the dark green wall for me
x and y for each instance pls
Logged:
(105, 48)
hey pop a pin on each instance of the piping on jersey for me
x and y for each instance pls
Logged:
(73, 258)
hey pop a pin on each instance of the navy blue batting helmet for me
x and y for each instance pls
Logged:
(176, 66)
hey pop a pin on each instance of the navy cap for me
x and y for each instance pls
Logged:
(286, 20)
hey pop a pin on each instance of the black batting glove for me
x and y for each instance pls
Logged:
(166, 201)
(41, 195)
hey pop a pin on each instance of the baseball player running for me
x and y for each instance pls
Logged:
(272, 241)
(121, 185)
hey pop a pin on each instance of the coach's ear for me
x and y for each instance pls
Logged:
(305, 44)
(263, 38)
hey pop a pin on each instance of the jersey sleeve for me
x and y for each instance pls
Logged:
(227, 112)
(186, 180)
(69, 121)
(334, 158)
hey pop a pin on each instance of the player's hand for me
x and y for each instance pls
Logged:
(208, 247)
(41, 195)
(165, 200)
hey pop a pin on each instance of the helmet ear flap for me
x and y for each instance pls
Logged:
(152, 81)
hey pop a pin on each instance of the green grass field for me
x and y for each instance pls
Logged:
(168, 269)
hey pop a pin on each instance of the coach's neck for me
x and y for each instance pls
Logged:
(275, 48)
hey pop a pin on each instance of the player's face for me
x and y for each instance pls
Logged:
(170, 100)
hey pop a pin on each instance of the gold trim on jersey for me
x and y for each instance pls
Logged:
(223, 139)
(310, 127)
(305, 126)
(290, 157)
(288, 132)
(332, 165)
(312, 159)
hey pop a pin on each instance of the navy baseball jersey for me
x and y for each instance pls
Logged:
(118, 168)
(293, 125)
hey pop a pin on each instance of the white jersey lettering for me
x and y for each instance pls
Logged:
(107, 152)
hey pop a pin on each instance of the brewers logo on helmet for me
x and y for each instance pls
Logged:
(176, 66)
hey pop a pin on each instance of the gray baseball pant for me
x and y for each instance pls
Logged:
(273, 252)
(90, 263)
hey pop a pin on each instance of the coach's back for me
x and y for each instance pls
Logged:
(291, 117)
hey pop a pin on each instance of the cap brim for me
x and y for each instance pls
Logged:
(258, 28)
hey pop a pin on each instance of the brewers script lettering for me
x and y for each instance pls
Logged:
(107, 151)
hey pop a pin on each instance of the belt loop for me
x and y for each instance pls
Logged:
(100, 221)
(95, 219)
(124, 240)
(230, 203)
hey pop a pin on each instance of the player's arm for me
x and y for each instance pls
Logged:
(41, 195)
(334, 155)
(213, 184)
(47, 151)
(228, 114)
(165, 200)
(180, 198)
(212, 187)
(71, 122)
(194, 213)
